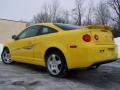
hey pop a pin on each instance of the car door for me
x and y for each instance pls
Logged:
(41, 40)
(24, 47)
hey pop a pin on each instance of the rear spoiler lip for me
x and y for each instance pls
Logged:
(105, 27)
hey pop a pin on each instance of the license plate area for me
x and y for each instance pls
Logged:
(110, 51)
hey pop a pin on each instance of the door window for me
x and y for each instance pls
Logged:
(29, 32)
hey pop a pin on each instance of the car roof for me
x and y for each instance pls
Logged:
(49, 25)
(46, 24)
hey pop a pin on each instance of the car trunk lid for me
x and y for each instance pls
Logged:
(101, 34)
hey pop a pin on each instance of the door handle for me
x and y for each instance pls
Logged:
(29, 46)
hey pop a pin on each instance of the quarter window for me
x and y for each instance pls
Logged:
(46, 30)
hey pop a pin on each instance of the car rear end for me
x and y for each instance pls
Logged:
(88, 46)
(96, 47)
(105, 49)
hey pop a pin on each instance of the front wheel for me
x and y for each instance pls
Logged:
(56, 64)
(6, 57)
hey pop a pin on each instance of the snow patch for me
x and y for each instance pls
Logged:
(117, 41)
(1, 49)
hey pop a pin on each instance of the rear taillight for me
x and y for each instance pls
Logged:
(96, 37)
(87, 38)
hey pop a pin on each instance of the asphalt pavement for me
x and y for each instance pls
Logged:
(29, 77)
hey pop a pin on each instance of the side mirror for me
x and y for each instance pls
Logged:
(14, 37)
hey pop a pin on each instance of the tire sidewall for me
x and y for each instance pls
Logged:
(64, 68)
(5, 50)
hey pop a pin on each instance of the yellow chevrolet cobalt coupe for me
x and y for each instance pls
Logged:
(61, 47)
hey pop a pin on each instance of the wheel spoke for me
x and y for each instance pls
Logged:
(6, 57)
(53, 57)
(50, 63)
(54, 64)
(58, 62)
(57, 70)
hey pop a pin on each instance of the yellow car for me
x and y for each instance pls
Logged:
(60, 47)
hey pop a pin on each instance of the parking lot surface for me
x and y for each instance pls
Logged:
(29, 77)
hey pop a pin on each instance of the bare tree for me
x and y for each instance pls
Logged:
(54, 9)
(102, 14)
(43, 16)
(89, 15)
(115, 5)
(63, 17)
(78, 12)
(48, 13)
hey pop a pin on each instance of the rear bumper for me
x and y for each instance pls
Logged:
(86, 56)
(104, 62)
(95, 64)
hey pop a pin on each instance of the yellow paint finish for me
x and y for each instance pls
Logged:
(84, 55)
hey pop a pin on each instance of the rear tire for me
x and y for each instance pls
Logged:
(56, 64)
(6, 56)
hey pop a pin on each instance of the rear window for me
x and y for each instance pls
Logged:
(67, 26)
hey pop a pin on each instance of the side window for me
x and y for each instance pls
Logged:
(46, 30)
(29, 32)
(22, 35)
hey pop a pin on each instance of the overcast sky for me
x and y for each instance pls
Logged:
(25, 9)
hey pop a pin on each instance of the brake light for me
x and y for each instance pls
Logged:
(96, 37)
(87, 38)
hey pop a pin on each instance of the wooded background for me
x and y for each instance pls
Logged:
(106, 12)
